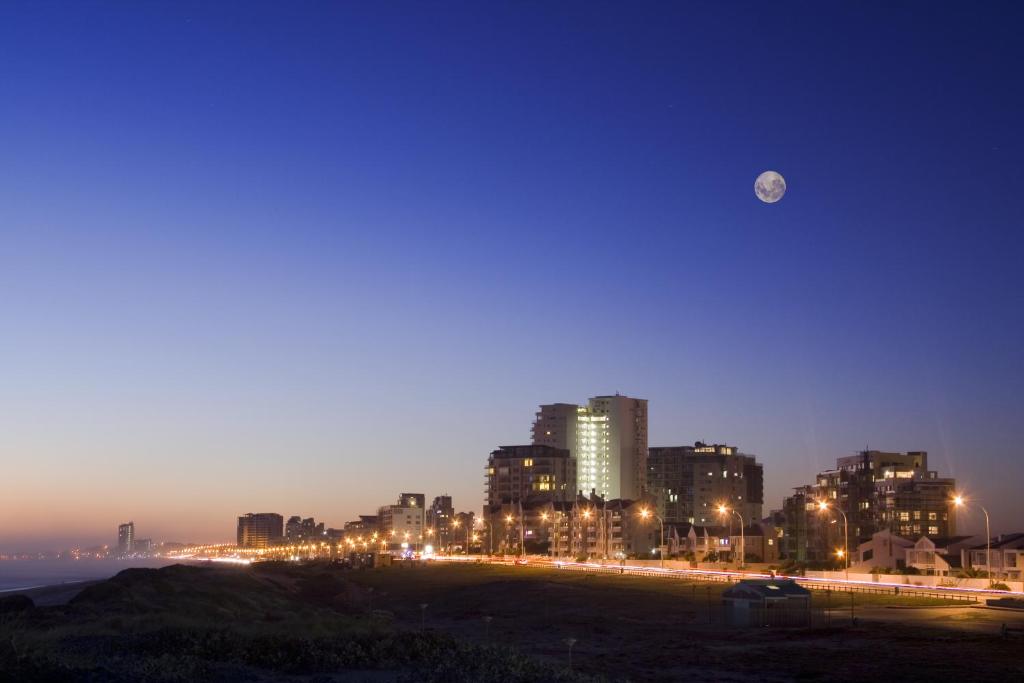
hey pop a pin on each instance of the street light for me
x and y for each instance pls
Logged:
(508, 524)
(490, 536)
(585, 536)
(645, 513)
(522, 532)
(722, 510)
(823, 506)
(551, 546)
(455, 525)
(960, 501)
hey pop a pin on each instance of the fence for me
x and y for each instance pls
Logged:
(888, 590)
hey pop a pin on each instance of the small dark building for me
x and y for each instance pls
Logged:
(767, 602)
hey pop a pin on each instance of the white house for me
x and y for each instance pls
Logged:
(1007, 556)
(937, 556)
(884, 550)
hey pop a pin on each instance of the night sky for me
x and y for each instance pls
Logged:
(300, 257)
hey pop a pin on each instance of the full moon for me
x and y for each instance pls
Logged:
(769, 187)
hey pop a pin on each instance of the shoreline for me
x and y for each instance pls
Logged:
(22, 589)
(53, 594)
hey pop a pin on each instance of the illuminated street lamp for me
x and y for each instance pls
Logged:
(584, 535)
(845, 554)
(960, 501)
(551, 546)
(522, 532)
(508, 523)
(455, 525)
(490, 536)
(645, 513)
(722, 510)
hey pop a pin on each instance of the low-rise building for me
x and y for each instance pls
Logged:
(589, 527)
(937, 556)
(779, 593)
(366, 524)
(759, 602)
(1007, 556)
(593, 527)
(884, 551)
(757, 543)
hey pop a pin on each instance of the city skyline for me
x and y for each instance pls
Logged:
(300, 260)
(951, 498)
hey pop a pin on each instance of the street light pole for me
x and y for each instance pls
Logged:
(961, 501)
(551, 547)
(822, 505)
(522, 530)
(743, 540)
(645, 513)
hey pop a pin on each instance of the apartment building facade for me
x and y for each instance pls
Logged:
(689, 483)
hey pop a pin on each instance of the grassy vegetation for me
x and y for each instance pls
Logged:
(466, 575)
(641, 628)
(479, 623)
(272, 622)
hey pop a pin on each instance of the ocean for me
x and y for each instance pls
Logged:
(18, 575)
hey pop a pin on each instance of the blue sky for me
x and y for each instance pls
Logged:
(301, 258)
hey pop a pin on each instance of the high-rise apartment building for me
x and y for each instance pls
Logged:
(299, 530)
(877, 491)
(607, 438)
(689, 483)
(440, 515)
(524, 474)
(413, 500)
(260, 529)
(125, 538)
(555, 425)
(521, 476)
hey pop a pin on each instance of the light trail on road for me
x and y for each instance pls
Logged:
(725, 575)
